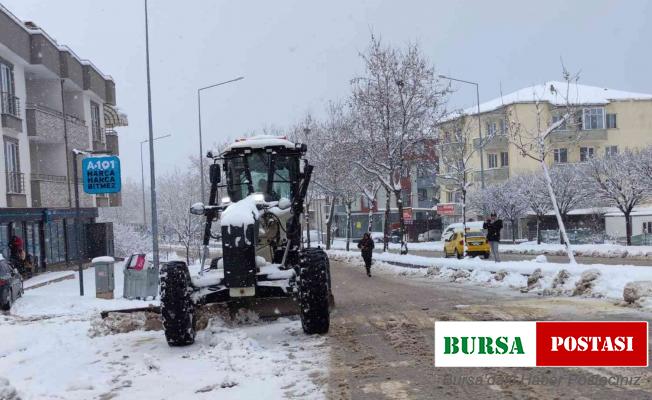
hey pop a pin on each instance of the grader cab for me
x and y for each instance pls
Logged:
(263, 265)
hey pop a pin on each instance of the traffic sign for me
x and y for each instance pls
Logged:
(101, 174)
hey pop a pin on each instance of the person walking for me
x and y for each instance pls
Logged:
(493, 227)
(366, 246)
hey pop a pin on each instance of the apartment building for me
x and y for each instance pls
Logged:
(51, 101)
(608, 122)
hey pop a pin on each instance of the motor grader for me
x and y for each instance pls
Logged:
(263, 265)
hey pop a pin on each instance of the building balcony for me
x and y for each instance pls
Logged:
(16, 196)
(10, 112)
(497, 142)
(52, 191)
(47, 125)
(566, 136)
(492, 175)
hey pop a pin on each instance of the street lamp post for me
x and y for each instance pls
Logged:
(142, 176)
(152, 172)
(477, 94)
(201, 146)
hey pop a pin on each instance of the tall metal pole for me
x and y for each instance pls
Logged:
(201, 145)
(80, 265)
(152, 172)
(477, 94)
(142, 176)
(142, 183)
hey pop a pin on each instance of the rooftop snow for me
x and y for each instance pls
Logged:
(554, 92)
(257, 142)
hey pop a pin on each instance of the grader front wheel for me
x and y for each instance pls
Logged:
(314, 291)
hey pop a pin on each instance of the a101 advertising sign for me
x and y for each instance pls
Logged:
(101, 174)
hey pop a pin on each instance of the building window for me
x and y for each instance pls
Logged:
(560, 155)
(610, 151)
(611, 121)
(95, 122)
(502, 129)
(493, 160)
(449, 197)
(491, 128)
(504, 159)
(563, 126)
(647, 227)
(593, 118)
(12, 167)
(8, 102)
(586, 153)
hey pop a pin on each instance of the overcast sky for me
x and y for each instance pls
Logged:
(298, 55)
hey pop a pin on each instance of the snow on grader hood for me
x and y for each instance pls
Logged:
(262, 266)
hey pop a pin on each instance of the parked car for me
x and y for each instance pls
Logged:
(11, 284)
(377, 237)
(431, 235)
(458, 226)
(476, 241)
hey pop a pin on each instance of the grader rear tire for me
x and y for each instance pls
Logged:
(314, 291)
(177, 308)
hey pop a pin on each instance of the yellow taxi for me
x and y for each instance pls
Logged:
(477, 242)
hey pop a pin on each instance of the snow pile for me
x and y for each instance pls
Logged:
(125, 322)
(595, 280)
(240, 213)
(531, 248)
(53, 326)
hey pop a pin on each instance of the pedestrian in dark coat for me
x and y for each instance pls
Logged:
(493, 227)
(366, 246)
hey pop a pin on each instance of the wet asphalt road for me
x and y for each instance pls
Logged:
(382, 333)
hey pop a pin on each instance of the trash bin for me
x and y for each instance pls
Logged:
(104, 277)
(140, 278)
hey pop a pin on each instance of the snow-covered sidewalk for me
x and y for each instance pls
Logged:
(537, 275)
(531, 248)
(51, 348)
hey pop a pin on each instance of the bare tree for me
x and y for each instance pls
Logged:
(533, 142)
(178, 190)
(535, 193)
(332, 159)
(618, 183)
(369, 187)
(395, 106)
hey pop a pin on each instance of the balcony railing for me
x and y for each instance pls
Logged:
(492, 174)
(15, 183)
(9, 104)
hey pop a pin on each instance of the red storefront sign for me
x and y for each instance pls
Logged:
(446, 209)
(584, 344)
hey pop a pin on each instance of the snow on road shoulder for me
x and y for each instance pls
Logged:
(49, 349)
(536, 275)
(583, 250)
